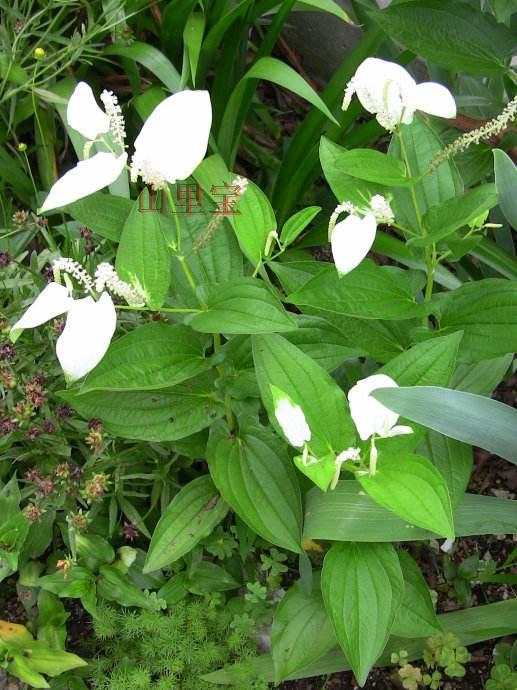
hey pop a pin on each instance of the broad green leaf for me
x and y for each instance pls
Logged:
(143, 258)
(344, 186)
(348, 514)
(416, 616)
(431, 362)
(506, 182)
(482, 377)
(175, 590)
(255, 476)
(153, 356)
(473, 419)
(372, 166)
(454, 35)
(296, 224)
(486, 312)
(279, 363)
(368, 292)
(422, 144)
(490, 254)
(362, 586)
(412, 487)
(205, 577)
(105, 214)
(302, 631)
(166, 415)
(114, 585)
(151, 58)
(454, 460)
(472, 626)
(52, 662)
(244, 306)
(190, 516)
(323, 6)
(193, 38)
(442, 220)
(253, 222)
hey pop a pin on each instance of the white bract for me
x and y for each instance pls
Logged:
(371, 417)
(390, 92)
(87, 333)
(293, 422)
(170, 146)
(352, 238)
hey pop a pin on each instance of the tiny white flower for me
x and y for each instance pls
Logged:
(390, 92)
(174, 139)
(348, 455)
(351, 240)
(291, 419)
(370, 416)
(381, 209)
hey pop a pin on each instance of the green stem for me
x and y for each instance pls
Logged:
(176, 219)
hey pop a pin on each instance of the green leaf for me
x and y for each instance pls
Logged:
(296, 224)
(253, 222)
(422, 145)
(372, 166)
(166, 415)
(281, 364)
(486, 312)
(207, 577)
(368, 292)
(323, 6)
(302, 631)
(143, 258)
(277, 72)
(244, 306)
(362, 587)
(416, 617)
(482, 377)
(431, 362)
(153, 356)
(454, 460)
(348, 514)
(412, 487)
(473, 419)
(490, 254)
(105, 214)
(255, 476)
(151, 58)
(506, 182)
(451, 34)
(193, 38)
(190, 516)
(442, 220)
(52, 662)
(344, 186)
(114, 585)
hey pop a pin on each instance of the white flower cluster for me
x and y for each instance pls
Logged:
(381, 209)
(117, 125)
(73, 268)
(106, 276)
(241, 183)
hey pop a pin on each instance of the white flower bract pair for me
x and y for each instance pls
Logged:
(87, 333)
(390, 92)
(170, 146)
(352, 238)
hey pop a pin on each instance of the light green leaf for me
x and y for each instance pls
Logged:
(143, 258)
(151, 58)
(105, 214)
(296, 224)
(412, 487)
(486, 312)
(506, 182)
(473, 419)
(153, 356)
(362, 586)
(190, 516)
(454, 460)
(255, 476)
(416, 617)
(244, 306)
(302, 631)
(253, 222)
(279, 363)
(372, 166)
(193, 39)
(368, 292)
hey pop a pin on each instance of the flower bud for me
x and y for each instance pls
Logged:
(39, 53)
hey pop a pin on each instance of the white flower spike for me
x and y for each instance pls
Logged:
(371, 418)
(291, 419)
(390, 92)
(174, 139)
